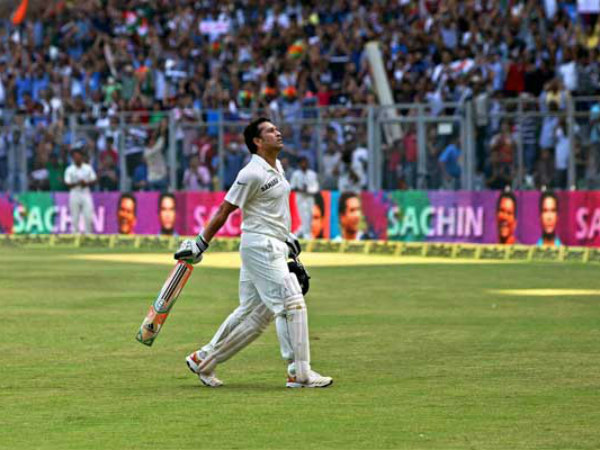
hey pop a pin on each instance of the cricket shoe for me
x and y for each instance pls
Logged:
(314, 380)
(193, 361)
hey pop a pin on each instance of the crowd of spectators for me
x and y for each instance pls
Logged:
(118, 69)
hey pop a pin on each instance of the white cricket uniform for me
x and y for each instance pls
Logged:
(262, 193)
(307, 185)
(80, 198)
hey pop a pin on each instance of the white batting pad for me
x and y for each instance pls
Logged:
(232, 321)
(285, 341)
(297, 324)
(242, 335)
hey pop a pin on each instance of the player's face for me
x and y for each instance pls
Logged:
(506, 218)
(270, 136)
(167, 214)
(317, 223)
(126, 216)
(350, 221)
(549, 215)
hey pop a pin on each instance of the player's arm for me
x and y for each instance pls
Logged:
(313, 184)
(84, 183)
(218, 220)
(192, 250)
(88, 183)
(244, 188)
(92, 178)
(295, 182)
(69, 181)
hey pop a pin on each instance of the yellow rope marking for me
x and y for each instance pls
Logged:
(231, 260)
(546, 292)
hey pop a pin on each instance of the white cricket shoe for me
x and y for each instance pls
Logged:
(210, 380)
(314, 380)
(193, 361)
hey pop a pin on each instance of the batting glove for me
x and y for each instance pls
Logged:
(191, 251)
(293, 245)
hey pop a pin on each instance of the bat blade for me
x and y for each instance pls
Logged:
(162, 305)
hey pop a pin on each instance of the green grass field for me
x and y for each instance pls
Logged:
(423, 356)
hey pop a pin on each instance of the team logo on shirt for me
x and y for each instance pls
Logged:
(269, 184)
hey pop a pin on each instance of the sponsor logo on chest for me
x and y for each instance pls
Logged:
(269, 184)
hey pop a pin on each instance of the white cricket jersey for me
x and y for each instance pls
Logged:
(74, 174)
(262, 193)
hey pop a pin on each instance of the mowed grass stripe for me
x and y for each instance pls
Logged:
(424, 356)
(231, 260)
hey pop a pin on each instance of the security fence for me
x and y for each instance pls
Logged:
(484, 143)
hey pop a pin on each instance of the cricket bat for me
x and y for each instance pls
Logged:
(160, 308)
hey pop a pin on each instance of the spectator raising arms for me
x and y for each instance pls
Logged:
(196, 177)
(121, 66)
(155, 159)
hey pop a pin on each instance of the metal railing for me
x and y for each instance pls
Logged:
(391, 147)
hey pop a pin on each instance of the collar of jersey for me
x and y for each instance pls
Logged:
(260, 160)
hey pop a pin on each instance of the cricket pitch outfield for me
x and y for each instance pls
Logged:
(425, 355)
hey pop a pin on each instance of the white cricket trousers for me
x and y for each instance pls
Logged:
(305, 203)
(81, 204)
(264, 281)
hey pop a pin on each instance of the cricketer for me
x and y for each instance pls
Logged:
(267, 288)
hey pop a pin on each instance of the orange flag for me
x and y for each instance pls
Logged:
(19, 14)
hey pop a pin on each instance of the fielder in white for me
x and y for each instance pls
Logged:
(267, 289)
(304, 181)
(79, 176)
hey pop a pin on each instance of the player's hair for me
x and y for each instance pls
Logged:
(544, 196)
(343, 203)
(253, 131)
(509, 195)
(131, 197)
(166, 195)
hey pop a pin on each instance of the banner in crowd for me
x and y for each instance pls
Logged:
(181, 213)
(525, 217)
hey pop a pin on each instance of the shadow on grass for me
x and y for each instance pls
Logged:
(237, 387)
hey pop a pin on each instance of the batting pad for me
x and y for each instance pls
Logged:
(297, 327)
(249, 301)
(242, 335)
(285, 342)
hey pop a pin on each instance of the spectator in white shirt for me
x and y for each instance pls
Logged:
(304, 182)
(196, 177)
(39, 178)
(352, 177)
(79, 176)
(155, 160)
(568, 70)
(331, 161)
